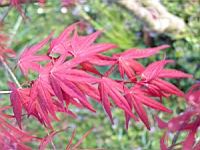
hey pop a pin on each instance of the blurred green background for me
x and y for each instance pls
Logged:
(124, 29)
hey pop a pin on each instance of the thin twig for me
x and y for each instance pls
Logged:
(53, 145)
(6, 66)
(12, 75)
(5, 92)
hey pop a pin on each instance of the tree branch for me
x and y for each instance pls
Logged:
(5, 92)
(155, 15)
(10, 73)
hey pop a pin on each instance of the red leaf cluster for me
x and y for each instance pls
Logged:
(10, 136)
(73, 79)
(13, 138)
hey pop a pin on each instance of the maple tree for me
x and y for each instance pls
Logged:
(68, 75)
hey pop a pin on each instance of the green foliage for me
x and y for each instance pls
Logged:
(187, 45)
(120, 27)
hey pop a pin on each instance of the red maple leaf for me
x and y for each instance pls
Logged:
(137, 99)
(10, 136)
(66, 81)
(29, 60)
(188, 121)
(16, 103)
(127, 64)
(81, 47)
(158, 87)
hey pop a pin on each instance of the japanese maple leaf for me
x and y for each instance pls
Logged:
(102, 60)
(64, 84)
(64, 77)
(67, 81)
(136, 53)
(73, 45)
(38, 101)
(110, 88)
(90, 90)
(81, 47)
(127, 64)
(151, 79)
(29, 59)
(137, 99)
(182, 123)
(62, 43)
(97, 60)
(188, 121)
(41, 100)
(11, 136)
(16, 103)
(20, 97)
